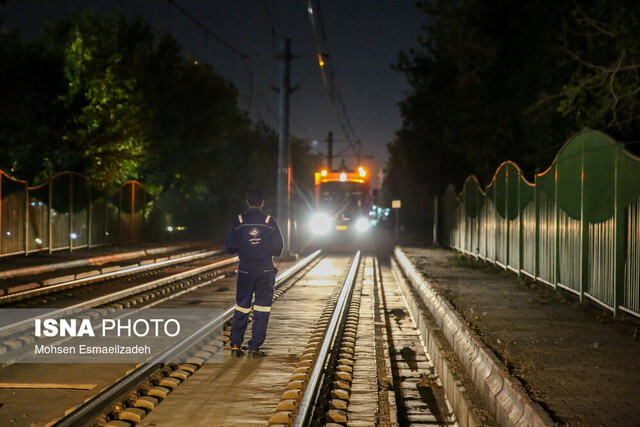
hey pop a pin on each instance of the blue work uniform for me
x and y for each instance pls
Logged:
(256, 238)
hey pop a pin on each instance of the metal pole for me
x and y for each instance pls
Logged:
(330, 151)
(1, 246)
(284, 170)
(50, 218)
(70, 212)
(26, 220)
(619, 232)
(397, 225)
(133, 204)
(90, 210)
(435, 221)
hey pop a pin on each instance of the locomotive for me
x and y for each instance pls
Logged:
(342, 208)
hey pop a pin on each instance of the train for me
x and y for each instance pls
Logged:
(343, 203)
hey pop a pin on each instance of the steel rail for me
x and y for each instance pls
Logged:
(98, 277)
(105, 299)
(340, 310)
(96, 405)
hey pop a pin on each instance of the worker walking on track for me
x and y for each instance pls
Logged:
(256, 238)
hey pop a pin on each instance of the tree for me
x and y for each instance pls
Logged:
(30, 117)
(495, 80)
(602, 44)
(109, 116)
(104, 97)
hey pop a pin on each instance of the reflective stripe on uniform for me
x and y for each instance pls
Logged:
(242, 309)
(268, 218)
(261, 308)
(240, 218)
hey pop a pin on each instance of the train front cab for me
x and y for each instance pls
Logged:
(340, 220)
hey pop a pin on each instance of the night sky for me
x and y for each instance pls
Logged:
(363, 38)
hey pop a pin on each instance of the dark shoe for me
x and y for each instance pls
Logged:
(236, 351)
(256, 354)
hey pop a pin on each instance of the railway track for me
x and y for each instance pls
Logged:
(62, 293)
(333, 358)
(143, 286)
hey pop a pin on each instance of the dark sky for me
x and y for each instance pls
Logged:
(363, 38)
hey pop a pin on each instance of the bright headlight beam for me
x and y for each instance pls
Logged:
(320, 224)
(362, 224)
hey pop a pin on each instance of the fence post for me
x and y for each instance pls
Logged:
(89, 212)
(435, 220)
(133, 205)
(70, 213)
(584, 234)
(496, 216)
(119, 215)
(520, 225)
(556, 211)
(478, 222)
(50, 219)
(485, 207)
(506, 219)
(1, 251)
(536, 248)
(145, 231)
(26, 220)
(619, 237)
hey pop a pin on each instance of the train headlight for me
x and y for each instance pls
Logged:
(362, 225)
(320, 224)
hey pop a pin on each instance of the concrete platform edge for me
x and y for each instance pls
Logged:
(501, 392)
(461, 404)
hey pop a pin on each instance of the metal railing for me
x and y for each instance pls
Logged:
(576, 227)
(66, 213)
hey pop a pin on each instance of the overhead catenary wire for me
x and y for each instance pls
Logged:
(250, 68)
(207, 30)
(328, 76)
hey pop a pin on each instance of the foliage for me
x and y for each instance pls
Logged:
(30, 117)
(602, 42)
(108, 115)
(103, 96)
(495, 80)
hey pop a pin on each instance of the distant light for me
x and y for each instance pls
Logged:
(38, 240)
(8, 233)
(320, 224)
(362, 172)
(74, 236)
(323, 173)
(362, 224)
(196, 62)
(106, 233)
(169, 228)
(33, 203)
(343, 177)
(180, 228)
(40, 203)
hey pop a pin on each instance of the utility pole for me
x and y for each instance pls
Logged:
(330, 151)
(284, 165)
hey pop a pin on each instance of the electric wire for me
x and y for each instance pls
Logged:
(250, 68)
(328, 76)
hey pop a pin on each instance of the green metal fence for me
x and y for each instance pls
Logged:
(66, 213)
(576, 227)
